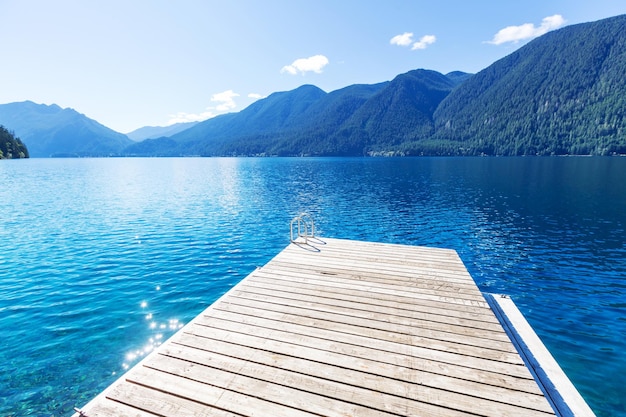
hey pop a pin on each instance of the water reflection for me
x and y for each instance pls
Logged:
(159, 332)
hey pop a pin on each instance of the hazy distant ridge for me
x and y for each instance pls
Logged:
(152, 132)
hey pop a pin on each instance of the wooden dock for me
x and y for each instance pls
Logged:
(338, 328)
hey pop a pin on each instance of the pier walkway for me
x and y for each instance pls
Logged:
(341, 328)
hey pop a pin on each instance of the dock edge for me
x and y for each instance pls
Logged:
(556, 386)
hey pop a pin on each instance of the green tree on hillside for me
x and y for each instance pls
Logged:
(11, 147)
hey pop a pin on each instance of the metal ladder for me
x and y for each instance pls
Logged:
(304, 227)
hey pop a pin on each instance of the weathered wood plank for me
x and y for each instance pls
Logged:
(384, 260)
(104, 408)
(454, 271)
(391, 250)
(398, 271)
(279, 395)
(161, 403)
(209, 391)
(385, 253)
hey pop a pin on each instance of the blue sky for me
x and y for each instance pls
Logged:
(135, 63)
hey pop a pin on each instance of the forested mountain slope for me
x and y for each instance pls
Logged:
(402, 111)
(563, 93)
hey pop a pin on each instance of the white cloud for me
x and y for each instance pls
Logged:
(226, 100)
(255, 96)
(402, 40)
(314, 63)
(527, 30)
(424, 42)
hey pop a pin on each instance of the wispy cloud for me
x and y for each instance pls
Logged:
(255, 96)
(406, 39)
(225, 101)
(527, 31)
(303, 65)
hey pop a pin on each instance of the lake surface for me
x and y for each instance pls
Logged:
(103, 259)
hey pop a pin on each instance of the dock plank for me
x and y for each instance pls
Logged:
(279, 394)
(295, 333)
(161, 403)
(337, 328)
(210, 393)
(107, 408)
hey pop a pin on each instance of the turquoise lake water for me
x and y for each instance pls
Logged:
(103, 259)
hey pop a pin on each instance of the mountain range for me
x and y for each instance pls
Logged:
(562, 93)
(49, 131)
